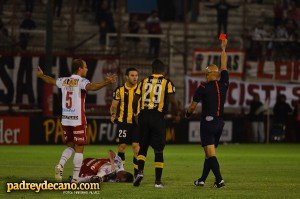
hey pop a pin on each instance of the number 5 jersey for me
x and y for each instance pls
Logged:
(73, 99)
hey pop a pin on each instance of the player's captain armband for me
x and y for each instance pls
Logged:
(222, 36)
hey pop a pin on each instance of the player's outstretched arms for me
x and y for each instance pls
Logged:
(191, 109)
(223, 55)
(110, 79)
(45, 78)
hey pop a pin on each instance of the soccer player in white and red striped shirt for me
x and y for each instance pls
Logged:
(73, 118)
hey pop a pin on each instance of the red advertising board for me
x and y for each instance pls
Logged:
(14, 130)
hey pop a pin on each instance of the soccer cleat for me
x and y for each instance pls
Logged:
(219, 184)
(158, 185)
(199, 182)
(58, 172)
(138, 179)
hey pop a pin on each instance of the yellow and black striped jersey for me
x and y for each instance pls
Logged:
(153, 91)
(125, 96)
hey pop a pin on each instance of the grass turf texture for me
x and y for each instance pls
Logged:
(249, 171)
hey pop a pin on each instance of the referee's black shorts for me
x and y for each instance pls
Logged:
(152, 129)
(211, 130)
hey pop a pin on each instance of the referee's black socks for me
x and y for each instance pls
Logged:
(205, 171)
(159, 165)
(215, 167)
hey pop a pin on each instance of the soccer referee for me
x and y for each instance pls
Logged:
(212, 95)
(153, 93)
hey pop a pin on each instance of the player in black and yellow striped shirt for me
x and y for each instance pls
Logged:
(153, 93)
(122, 112)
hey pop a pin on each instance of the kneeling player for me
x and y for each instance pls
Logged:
(104, 170)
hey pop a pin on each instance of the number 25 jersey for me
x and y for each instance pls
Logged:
(154, 91)
(73, 100)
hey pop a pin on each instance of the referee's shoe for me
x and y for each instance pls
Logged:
(219, 184)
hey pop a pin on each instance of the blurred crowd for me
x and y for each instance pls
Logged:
(279, 40)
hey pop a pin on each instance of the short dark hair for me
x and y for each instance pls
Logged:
(124, 176)
(128, 70)
(157, 66)
(76, 64)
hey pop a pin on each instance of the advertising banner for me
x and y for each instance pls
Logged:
(240, 93)
(194, 132)
(204, 57)
(19, 84)
(100, 130)
(14, 130)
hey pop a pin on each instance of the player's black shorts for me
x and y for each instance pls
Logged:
(211, 130)
(127, 133)
(152, 128)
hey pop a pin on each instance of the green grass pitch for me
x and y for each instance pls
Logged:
(249, 171)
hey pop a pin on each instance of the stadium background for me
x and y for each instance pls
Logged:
(29, 109)
(189, 43)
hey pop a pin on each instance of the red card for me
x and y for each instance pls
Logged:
(222, 36)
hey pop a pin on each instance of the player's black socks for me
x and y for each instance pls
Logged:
(214, 165)
(141, 158)
(205, 171)
(141, 162)
(159, 165)
(122, 156)
(135, 166)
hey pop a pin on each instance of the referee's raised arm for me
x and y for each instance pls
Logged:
(223, 55)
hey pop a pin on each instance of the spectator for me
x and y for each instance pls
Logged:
(281, 46)
(278, 13)
(258, 34)
(295, 14)
(104, 14)
(296, 115)
(3, 29)
(256, 117)
(281, 111)
(57, 7)
(103, 30)
(4, 38)
(153, 27)
(2, 2)
(104, 19)
(29, 4)
(222, 14)
(27, 24)
(83, 5)
(291, 28)
(133, 27)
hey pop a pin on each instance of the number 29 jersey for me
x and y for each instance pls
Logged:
(73, 100)
(154, 91)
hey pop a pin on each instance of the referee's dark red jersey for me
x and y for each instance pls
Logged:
(212, 95)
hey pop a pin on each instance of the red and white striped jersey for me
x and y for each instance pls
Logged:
(73, 99)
